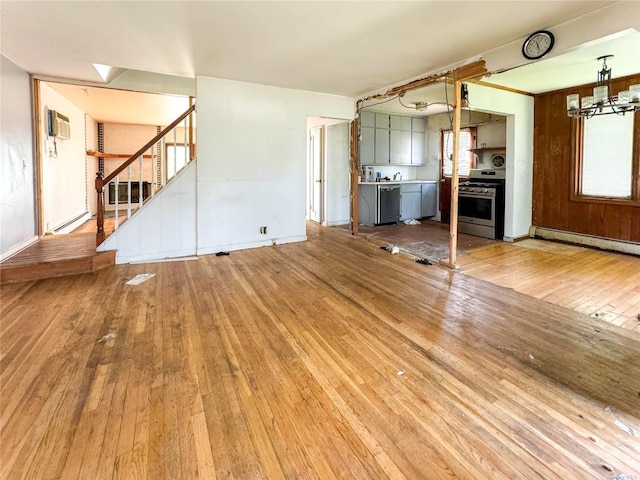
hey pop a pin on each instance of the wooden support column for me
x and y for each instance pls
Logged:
(354, 155)
(453, 221)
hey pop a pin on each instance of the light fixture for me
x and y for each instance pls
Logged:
(603, 102)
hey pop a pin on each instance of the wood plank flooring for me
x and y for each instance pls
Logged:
(605, 285)
(318, 360)
(56, 256)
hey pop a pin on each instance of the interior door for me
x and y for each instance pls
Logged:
(315, 177)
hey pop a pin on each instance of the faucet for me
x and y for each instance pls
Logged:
(397, 176)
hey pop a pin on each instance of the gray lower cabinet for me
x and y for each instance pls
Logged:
(429, 196)
(410, 201)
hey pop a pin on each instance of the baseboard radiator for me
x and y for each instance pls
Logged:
(586, 240)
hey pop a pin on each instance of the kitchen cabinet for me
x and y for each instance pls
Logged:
(418, 137)
(367, 137)
(381, 156)
(399, 147)
(410, 201)
(391, 139)
(429, 194)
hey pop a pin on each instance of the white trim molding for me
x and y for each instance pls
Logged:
(586, 240)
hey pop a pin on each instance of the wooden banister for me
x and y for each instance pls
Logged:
(101, 182)
(148, 145)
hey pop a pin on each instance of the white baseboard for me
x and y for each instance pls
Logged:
(175, 255)
(247, 245)
(18, 248)
(336, 223)
(586, 240)
(72, 225)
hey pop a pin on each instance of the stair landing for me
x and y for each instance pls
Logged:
(56, 256)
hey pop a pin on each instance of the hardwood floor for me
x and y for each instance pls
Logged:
(602, 284)
(324, 359)
(56, 256)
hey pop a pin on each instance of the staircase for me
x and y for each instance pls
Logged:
(72, 254)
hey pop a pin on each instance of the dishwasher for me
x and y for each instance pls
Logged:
(388, 210)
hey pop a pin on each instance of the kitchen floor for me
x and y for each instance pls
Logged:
(431, 232)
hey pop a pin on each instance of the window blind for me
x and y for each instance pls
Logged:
(464, 155)
(607, 156)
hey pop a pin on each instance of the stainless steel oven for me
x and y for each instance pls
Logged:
(477, 210)
(481, 204)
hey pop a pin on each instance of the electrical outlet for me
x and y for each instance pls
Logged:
(263, 230)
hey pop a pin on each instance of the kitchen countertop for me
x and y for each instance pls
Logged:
(397, 182)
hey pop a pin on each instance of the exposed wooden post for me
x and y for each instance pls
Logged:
(353, 148)
(100, 212)
(453, 220)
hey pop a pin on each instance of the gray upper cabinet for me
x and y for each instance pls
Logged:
(400, 123)
(400, 147)
(418, 139)
(391, 139)
(381, 156)
(367, 137)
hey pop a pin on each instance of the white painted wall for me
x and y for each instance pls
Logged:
(139, 81)
(165, 226)
(17, 185)
(64, 178)
(252, 161)
(519, 141)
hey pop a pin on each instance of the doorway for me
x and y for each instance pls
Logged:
(328, 169)
(316, 164)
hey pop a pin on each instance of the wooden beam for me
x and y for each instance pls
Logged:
(500, 87)
(353, 170)
(92, 153)
(470, 71)
(462, 73)
(453, 220)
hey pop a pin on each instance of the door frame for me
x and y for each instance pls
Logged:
(312, 179)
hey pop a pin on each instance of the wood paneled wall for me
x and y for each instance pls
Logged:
(552, 179)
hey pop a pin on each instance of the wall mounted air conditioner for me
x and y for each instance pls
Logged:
(59, 125)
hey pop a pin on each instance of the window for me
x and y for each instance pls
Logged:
(465, 156)
(607, 163)
(177, 155)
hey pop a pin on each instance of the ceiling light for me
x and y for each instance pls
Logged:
(603, 102)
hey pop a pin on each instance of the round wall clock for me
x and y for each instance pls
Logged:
(538, 44)
(497, 161)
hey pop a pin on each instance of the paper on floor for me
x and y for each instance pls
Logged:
(141, 277)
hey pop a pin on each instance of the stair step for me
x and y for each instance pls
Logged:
(56, 256)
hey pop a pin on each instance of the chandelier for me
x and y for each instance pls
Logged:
(602, 102)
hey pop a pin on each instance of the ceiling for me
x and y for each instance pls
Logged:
(346, 48)
(118, 106)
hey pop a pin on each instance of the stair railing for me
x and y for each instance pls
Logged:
(159, 173)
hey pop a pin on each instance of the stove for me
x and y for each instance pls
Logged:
(481, 204)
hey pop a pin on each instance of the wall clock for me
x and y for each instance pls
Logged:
(538, 44)
(497, 161)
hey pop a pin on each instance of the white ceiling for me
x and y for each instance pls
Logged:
(346, 48)
(119, 106)
(576, 67)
